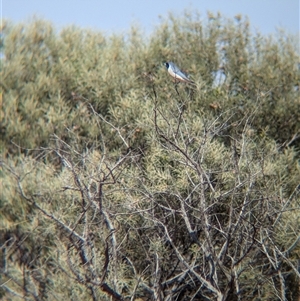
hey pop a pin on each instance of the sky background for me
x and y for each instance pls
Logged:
(118, 15)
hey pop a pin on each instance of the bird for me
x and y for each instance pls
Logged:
(177, 74)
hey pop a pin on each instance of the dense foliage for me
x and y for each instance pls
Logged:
(118, 184)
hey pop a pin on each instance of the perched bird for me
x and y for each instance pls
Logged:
(177, 74)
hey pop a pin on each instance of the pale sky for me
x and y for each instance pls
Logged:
(118, 15)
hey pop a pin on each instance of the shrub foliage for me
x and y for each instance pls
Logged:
(118, 184)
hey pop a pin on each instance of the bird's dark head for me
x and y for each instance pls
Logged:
(166, 64)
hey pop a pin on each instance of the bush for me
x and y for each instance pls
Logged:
(119, 185)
